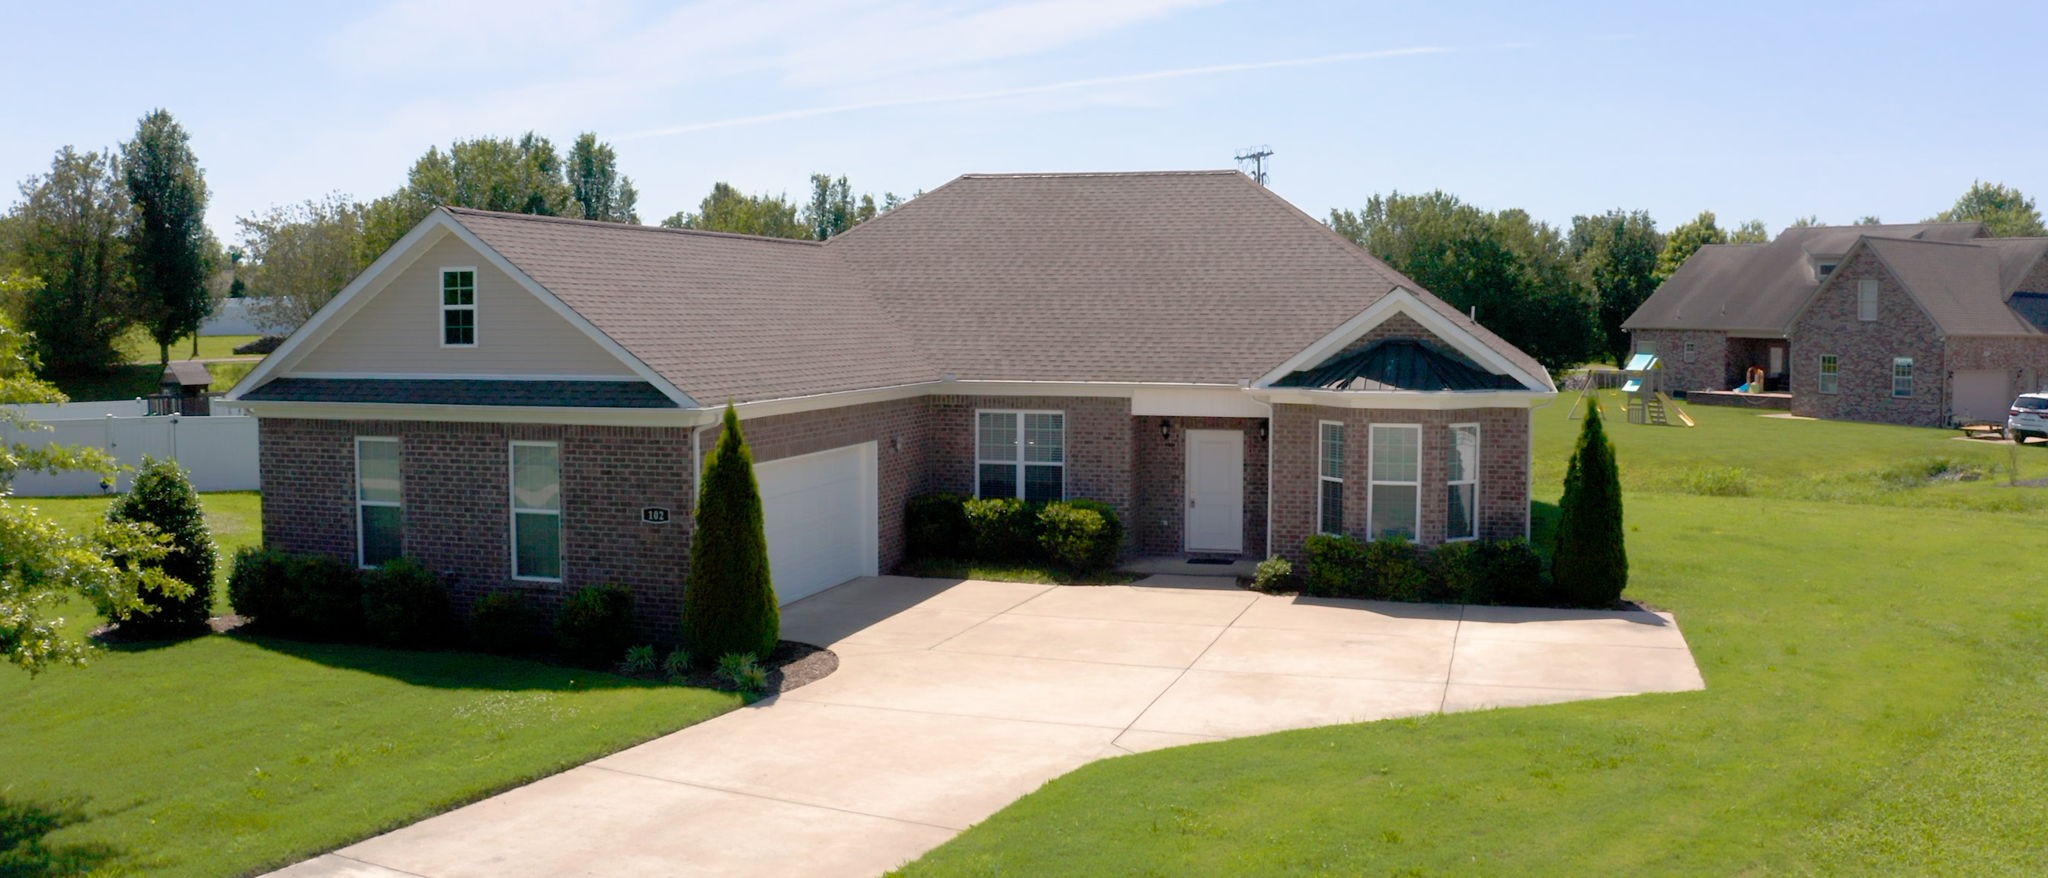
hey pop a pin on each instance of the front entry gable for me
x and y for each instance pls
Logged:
(1402, 341)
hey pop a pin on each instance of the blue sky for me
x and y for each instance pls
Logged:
(1766, 110)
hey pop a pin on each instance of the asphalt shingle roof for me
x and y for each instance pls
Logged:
(1759, 289)
(1964, 287)
(1173, 277)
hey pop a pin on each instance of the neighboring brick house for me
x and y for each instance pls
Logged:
(1926, 324)
(524, 402)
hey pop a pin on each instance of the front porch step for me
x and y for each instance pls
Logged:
(1177, 565)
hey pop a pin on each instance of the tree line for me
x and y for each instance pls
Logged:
(109, 239)
(1561, 294)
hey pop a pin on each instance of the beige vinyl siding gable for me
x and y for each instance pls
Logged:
(398, 330)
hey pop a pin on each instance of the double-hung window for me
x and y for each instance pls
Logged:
(1463, 477)
(1020, 454)
(1692, 352)
(1902, 376)
(1866, 300)
(537, 511)
(379, 495)
(1830, 373)
(1394, 505)
(1330, 479)
(458, 307)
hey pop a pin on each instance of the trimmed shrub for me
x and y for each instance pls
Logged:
(1081, 534)
(640, 660)
(256, 586)
(729, 601)
(1005, 529)
(1516, 572)
(935, 526)
(595, 626)
(1336, 566)
(1461, 573)
(163, 499)
(1275, 574)
(1396, 570)
(263, 345)
(323, 598)
(507, 623)
(405, 604)
(1589, 566)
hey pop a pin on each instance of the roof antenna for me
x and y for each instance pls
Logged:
(1255, 156)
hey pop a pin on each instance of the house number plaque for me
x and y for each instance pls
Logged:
(654, 515)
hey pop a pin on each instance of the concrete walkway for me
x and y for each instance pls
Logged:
(955, 698)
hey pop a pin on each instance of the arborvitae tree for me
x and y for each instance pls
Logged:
(729, 602)
(163, 498)
(1589, 565)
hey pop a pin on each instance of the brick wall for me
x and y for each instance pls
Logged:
(1503, 479)
(1098, 465)
(1865, 350)
(1160, 488)
(1708, 368)
(456, 504)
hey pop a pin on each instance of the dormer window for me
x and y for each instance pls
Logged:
(1822, 269)
(458, 307)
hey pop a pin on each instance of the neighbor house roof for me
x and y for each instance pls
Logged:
(1196, 277)
(1965, 287)
(463, 391)
(1759, 289)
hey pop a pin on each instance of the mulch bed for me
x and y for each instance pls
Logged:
(790, 666)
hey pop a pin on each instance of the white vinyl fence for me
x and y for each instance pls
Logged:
(219, 452)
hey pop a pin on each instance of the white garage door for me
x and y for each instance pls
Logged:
(1983, 395)
(820, 514)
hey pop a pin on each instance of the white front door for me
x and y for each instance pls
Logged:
(818, 512)
(1215, 501)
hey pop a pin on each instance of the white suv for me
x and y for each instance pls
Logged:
(2027, 417)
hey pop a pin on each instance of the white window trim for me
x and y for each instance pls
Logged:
(1321, 477)
(1471, 478)
(1692, 354)
(512, 500)
(441, 298)
(1822, 384)
(1867, 287)
(1017, 416)
(360, 502)
(1373, 480)
(1908, 363)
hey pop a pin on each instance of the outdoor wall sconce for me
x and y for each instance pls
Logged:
(1265, 427)
(1166, 429)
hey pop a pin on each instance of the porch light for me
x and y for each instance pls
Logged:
(1166, 429)
(1264, 428)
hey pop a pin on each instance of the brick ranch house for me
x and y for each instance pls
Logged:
(524, 402)
(1926, 324)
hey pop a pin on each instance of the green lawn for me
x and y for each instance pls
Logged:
(1876, 691)
(227, 754)
(137, 346)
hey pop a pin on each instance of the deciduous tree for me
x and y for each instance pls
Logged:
(168, 237)
(70, 231)
(1751, 232)
(42, 564)
(1514, 271)
(727, 209)
(299, 256)
(1616, 257)
(596, 187)
(2004, 212)
(1686, 240)
(522, 175)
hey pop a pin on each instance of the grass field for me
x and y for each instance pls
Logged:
(227, 754)
(138, 348)
(1876, 687)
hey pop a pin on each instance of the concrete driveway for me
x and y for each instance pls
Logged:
(955, 698)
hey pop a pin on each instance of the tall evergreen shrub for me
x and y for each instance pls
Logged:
(163, 498)
(729, 601)
(1589, 567)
